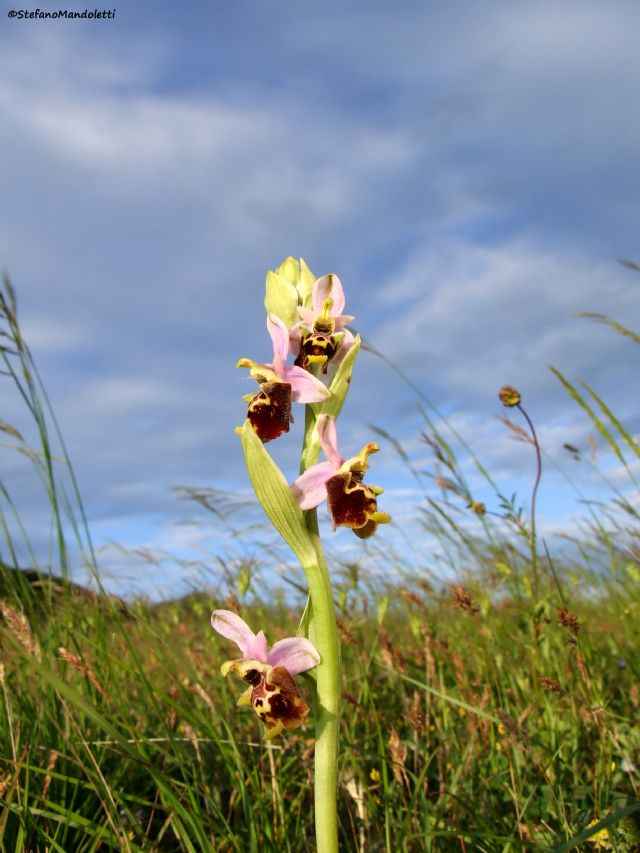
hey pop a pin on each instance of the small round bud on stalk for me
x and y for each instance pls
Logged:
(509, 396)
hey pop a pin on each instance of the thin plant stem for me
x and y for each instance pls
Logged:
(534, 495)
(324, 634)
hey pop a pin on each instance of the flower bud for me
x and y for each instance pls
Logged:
(509, 396)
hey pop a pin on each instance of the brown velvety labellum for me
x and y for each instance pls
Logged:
(350, 503)
(276, 700)
(317, 345)
(270, 410)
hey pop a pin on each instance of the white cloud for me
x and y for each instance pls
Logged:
(470, 174)
(485, 316)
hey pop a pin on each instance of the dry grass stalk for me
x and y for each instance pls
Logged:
(190, 733)
(481, 724)
(202, 693)
(463, 599)
(79, 666)
(413, 598)
(551, 685)
(569, 621)
(398, 751)
(346, 634)
(51, 766)
(172, 716)
(19, 626)
(514, 727)
(350, 699)
(416, 715)
(355, 789)
(582, 669)
(518, 432)
(391, 654)
(232, 603)
(430, 659)
(462, 679)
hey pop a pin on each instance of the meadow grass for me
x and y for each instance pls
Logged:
(495, 714)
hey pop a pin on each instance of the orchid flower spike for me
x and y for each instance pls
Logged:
(321, 336)
(351, 502)
(272, 693)
(270, 408)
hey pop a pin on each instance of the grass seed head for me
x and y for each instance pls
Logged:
(551, 685)
(569, 621)
(51, 766)
(463, 599)
(346, 634)
(79, 666)
(19, 626)
(398, 750)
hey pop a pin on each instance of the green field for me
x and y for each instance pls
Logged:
(496, 714)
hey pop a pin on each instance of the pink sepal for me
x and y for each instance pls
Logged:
(279, 334)
(305, 387)
(307, 318)
(326, 429)
(295, 654)
(258, 648)
(310, 488)
(231, 626)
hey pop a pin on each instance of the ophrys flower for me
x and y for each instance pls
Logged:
(270, 408)
(351, 502)
(321, 335)
(273, 693)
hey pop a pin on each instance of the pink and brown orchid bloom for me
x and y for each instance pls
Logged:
(351, 502)
(321, 335)
(272, 693)
(270, 408)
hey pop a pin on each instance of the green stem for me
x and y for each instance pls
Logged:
(324, 634)
(534, 494)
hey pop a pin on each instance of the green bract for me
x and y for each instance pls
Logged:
(281, 298)
(290, 269)
(339, 384)
(289, 286)
(305, 284)
(300, 276)
(276, 498)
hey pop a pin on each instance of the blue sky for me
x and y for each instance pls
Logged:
(469, 170)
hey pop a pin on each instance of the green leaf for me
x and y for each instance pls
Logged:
(306, 619)
(471, 709)
(602, 429)
(617, 327)
(381, 609)
(277, 499)
(281, 298)
(605, 823)
(630, 440)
